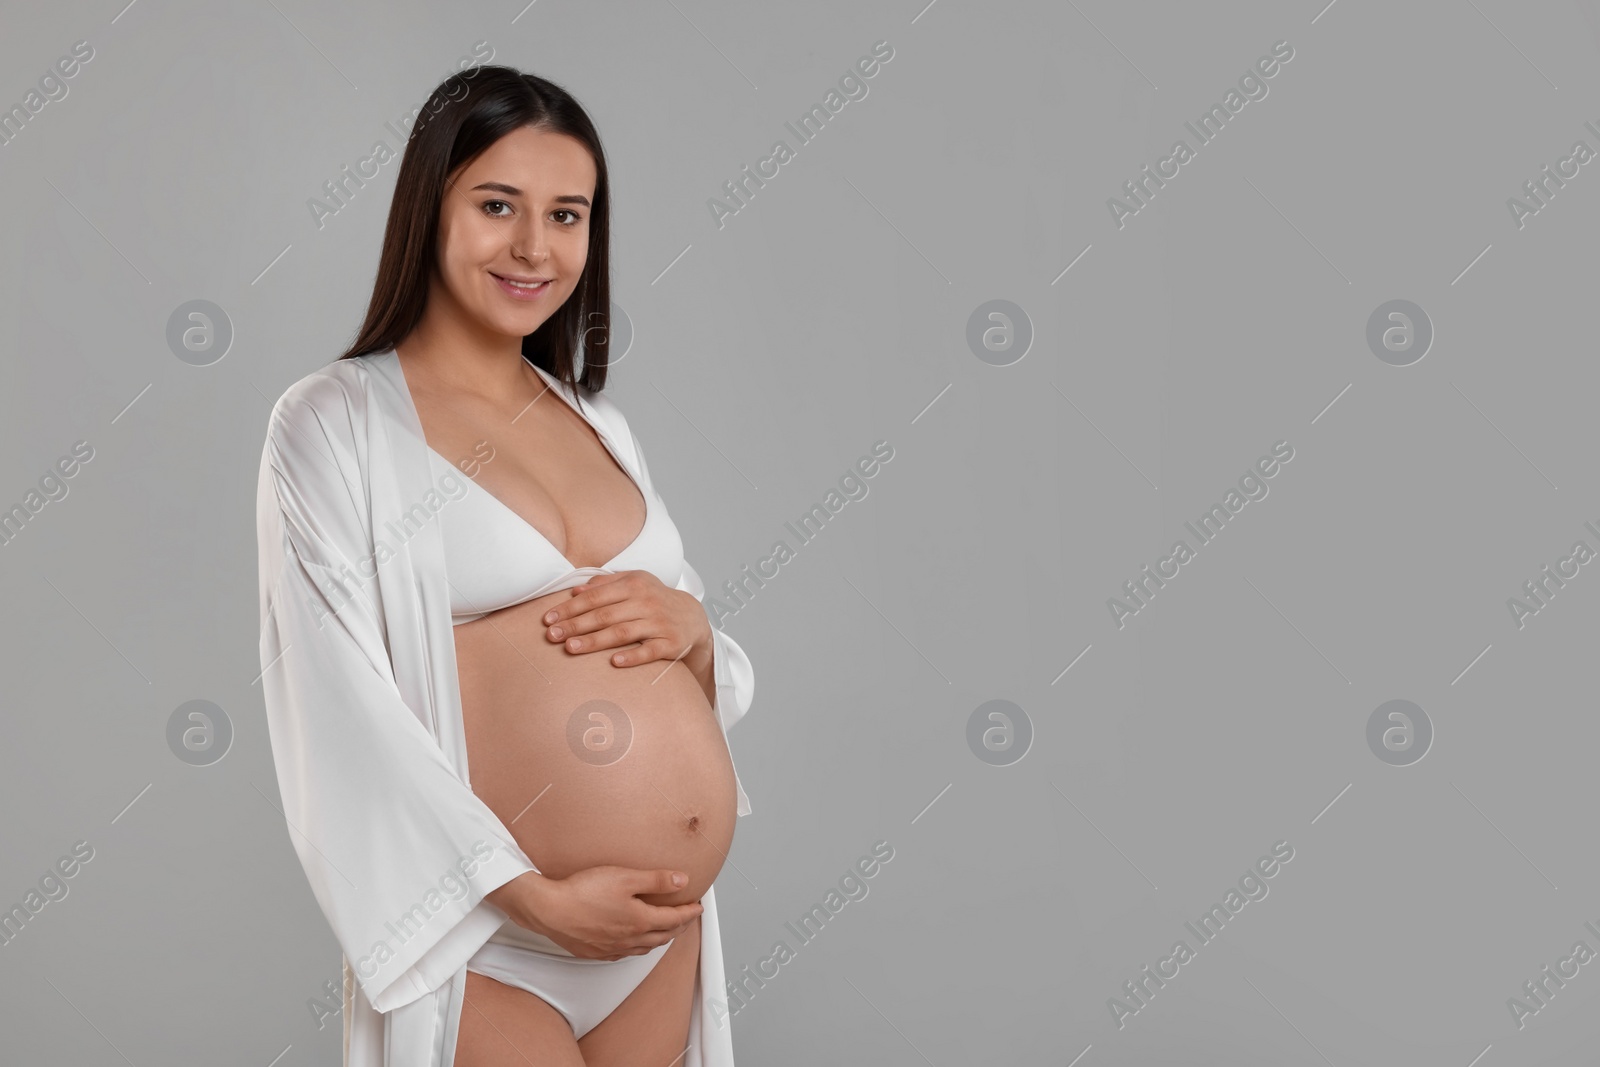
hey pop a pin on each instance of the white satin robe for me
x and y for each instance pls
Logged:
(364, 711)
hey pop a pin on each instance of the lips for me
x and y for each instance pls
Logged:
(520, 290)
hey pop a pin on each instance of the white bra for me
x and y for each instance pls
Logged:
(495, 558)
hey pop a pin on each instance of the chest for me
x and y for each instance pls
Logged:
(547, 466)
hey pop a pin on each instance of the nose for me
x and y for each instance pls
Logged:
(530, 244)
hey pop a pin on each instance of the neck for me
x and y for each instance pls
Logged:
(463, 360)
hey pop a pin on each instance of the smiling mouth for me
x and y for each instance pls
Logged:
(521, 284)
(521, 290)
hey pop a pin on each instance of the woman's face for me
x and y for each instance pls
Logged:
(518, 212)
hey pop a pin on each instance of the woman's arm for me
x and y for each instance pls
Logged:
(729, 678)
(398, 850)
(596, 913)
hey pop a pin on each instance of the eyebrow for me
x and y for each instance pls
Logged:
(512, 190)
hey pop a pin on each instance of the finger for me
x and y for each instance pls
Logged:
(654, 880)
(671, 917)
(601, 579)
(648, 651)
(602, 615)
(580, 603)
(611, 637)
(595, 591)
(655, 939)
(599, 617)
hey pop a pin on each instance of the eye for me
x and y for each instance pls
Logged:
(576, 218)
(486, 204)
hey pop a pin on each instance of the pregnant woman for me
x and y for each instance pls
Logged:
(497, 709)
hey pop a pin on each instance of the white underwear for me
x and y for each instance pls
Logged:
(584, 991)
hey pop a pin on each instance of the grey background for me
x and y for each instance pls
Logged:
(831, 312)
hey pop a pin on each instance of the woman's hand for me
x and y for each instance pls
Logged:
(611, 610)
(596, 913)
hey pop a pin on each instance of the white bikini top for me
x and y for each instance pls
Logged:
(495, 558)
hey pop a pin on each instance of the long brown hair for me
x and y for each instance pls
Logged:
(463, 116)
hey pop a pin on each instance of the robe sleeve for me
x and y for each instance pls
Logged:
(734, 677)
(398, 850)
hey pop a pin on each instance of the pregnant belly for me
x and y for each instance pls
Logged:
(588, 763)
